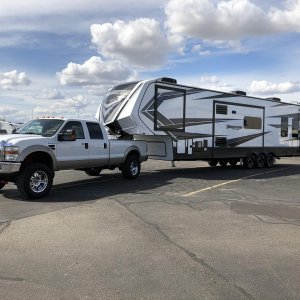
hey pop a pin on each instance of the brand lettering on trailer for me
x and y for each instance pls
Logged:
(234, 127)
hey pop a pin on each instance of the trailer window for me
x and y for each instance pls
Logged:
(252, 123)
(284, 126)
(295, 127)
(221, 109)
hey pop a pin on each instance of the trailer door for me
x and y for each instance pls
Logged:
(237, 129)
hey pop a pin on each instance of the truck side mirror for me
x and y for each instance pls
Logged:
(68, 135)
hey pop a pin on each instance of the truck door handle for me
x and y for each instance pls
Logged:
(105, 145)
(86, 145)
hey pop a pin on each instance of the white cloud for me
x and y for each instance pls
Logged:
(209, 79)
(7, 110)
(265, 87)
(288, 19)
(94, 71)
(13, 79)
(55, 16)
(66, 107)
(229, 20)
(37, 7)
(50, 94)
(212, 82)
(139, 42)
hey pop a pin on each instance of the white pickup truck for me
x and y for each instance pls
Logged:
(31, 156)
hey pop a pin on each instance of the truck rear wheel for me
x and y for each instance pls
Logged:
(93, 171)
(132, 167)
(35, 181)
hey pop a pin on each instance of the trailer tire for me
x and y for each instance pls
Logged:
(213, 162)
(233, 162)
(260, 160)
(35, 181)
(132, 167)
(269, 161)
(249, 161)
(223, 162)
(93, 171)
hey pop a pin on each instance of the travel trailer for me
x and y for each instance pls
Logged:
(187, 123)
(6, 128)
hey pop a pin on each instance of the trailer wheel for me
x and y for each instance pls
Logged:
(132, 167)
(213, 162)
(35, 181)
(269, 161)
(249, 161)
(93, 171)
(233, 162)
(223, 162)
(260, 161)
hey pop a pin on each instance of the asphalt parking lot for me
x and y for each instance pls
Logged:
(189, 232)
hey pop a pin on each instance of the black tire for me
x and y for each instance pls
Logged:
(223, 162)
(233, 162)
(35, 181)
(213, 162)
(260, 161)
(93, 171)
(132, 167)
(269, 161)
(2, 184)
(249, 161)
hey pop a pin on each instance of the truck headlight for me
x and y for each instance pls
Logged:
(11, 153)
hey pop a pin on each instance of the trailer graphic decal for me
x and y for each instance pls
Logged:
(241, 140)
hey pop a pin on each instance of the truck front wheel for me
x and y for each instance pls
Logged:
(35, 181)
(132, 167)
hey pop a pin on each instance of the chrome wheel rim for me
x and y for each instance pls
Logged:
(134, 168)
(38, 181)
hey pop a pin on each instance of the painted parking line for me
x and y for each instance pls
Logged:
(231, 181)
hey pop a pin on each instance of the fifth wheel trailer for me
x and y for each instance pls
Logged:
(187, 123)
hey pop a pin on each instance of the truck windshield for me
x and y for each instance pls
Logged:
(113, 99)
(43, 127)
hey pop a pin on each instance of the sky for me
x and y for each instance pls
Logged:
(59, 57)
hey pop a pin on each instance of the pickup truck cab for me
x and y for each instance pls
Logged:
(31, 156)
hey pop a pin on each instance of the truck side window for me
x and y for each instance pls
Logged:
(77, 126)
(95, 131)
(284, 126)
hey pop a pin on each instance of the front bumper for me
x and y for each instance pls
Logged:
(9, 167)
